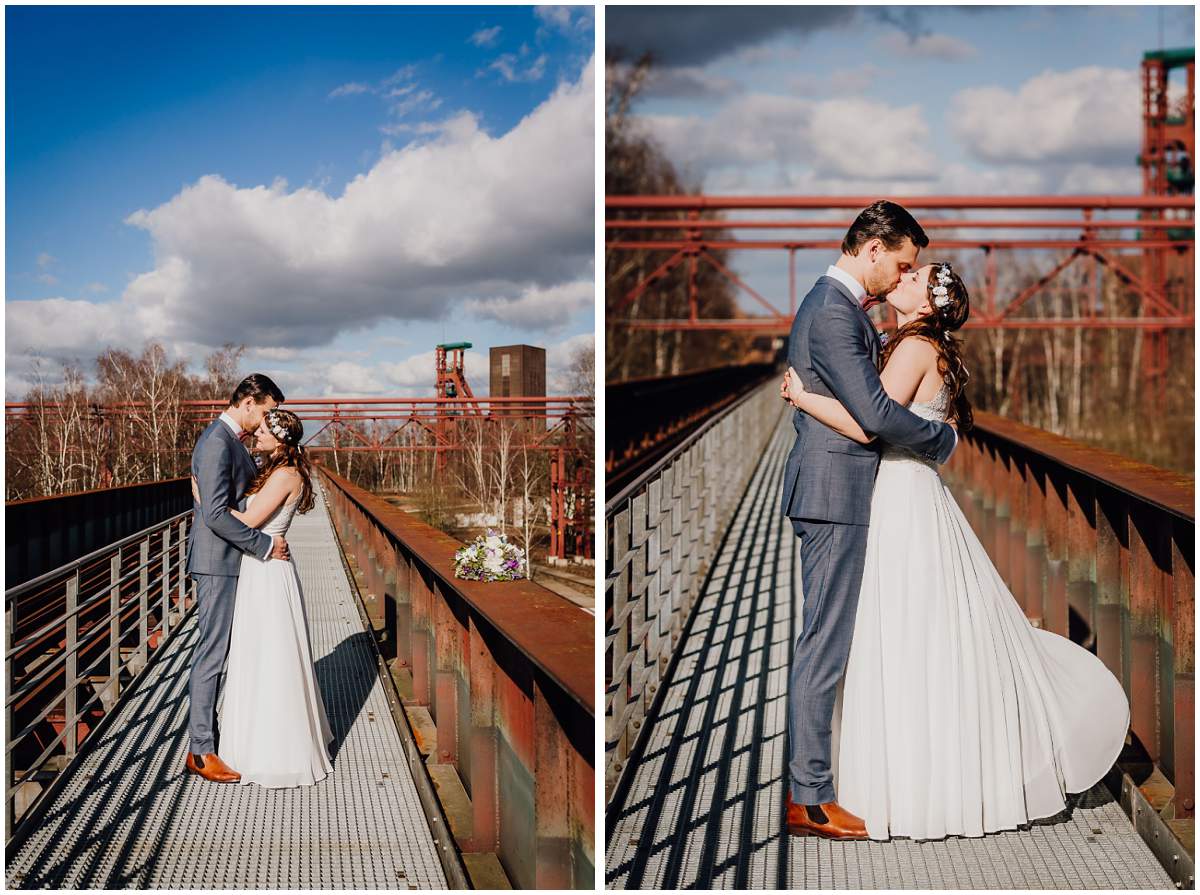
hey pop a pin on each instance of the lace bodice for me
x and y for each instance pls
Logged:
(278, 522)
(934, 409)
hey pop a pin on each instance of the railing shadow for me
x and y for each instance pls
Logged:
(345, 678)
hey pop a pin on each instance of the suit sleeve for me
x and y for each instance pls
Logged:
(841, 359)
(214, 473)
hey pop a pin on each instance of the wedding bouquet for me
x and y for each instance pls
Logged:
(489, 558)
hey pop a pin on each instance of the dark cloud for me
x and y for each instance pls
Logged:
(694, 35)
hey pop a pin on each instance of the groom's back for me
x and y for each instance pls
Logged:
(827, 476)
(209, 554)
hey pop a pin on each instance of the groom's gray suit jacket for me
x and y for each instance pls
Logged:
(224, 470)
(834, 348)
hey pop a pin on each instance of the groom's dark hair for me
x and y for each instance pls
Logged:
(886, 221)
(257, 386)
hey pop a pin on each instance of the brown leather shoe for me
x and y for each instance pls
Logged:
(210, 767)
(839, 824)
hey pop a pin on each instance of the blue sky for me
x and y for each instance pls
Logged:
(896, 100)
(338, 188)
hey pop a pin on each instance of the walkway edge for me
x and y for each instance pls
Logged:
(450, 857)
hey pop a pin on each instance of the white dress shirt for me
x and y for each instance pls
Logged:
(237, 432)
(859, 292)
(856, 288)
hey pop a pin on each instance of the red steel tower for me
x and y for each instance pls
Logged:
(1167, 159)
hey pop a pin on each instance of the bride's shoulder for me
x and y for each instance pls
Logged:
(284, 475)
(916, 348)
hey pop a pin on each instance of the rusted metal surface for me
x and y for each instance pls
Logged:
(506, 671)
(658, 412)
(1158, 230)
(1100, 547)
(662, 532)
(48, 532)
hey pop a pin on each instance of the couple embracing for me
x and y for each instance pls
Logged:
(273, 728)
(922, 702)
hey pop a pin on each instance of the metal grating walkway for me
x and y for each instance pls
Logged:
(129, 817)
(704, 805)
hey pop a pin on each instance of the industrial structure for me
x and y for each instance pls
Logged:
(1146, 242)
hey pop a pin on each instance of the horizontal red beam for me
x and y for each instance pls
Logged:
(957, 224)
(782, 325)
(690, 203)
(674, 245)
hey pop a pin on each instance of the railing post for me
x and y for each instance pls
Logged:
(71, 672)
(114, 627)
(182, 569)
(10, 772)
(144, 601)
(166, 585)
(485, 834)
(1183, 559)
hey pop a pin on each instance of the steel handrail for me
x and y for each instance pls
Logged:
(165, 589)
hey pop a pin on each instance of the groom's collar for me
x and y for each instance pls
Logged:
(856, 289)
(232, 424)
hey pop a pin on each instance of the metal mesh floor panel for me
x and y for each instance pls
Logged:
(129, 816)
(704, 806)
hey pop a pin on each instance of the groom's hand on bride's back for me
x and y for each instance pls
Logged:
(280, 550)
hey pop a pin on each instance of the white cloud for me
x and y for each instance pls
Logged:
(554, 16)
(454, 214)
(546, 309)
(48, 278)
(485, 37)
(1054, 116)
(45, 259)
(351, 89)
(791, 132)
(928, 46)
(95, 288)
(510, 68)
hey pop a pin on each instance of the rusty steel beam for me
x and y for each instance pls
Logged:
(932, 224)
(1077, 530)
(730, 245)
(782, 325)
(727, 203)
(505, 671)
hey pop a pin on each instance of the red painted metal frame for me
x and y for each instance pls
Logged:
(570, 465)
(507, 673)
(1154, 237)
(1073, 528)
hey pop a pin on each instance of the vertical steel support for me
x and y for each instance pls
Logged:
(71, 672)
(144, 600)
(114, 626)
(165, 618)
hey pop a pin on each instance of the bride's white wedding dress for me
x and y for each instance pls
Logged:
(958, 717)
(273, 726)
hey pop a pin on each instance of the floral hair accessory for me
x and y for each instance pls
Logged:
(941, 295)
(278, 429)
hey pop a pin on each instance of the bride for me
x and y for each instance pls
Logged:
(273, 724)
(957, 716)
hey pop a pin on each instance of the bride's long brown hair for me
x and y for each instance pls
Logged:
(286, 427)
(935, 327)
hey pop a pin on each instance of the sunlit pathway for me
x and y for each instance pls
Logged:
(129, 817)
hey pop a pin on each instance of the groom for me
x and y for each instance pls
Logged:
(223, 469)
(827, 485)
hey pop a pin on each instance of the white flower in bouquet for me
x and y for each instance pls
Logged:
(490, 558)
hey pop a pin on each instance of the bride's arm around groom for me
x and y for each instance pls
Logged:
(840, 359)
(213, 470)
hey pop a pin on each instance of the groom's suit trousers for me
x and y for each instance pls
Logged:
(832, 556)
(215, 596)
